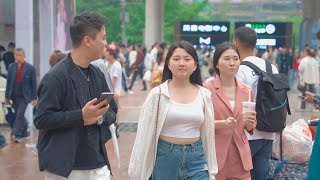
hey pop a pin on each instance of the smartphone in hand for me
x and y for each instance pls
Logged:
(103, 96)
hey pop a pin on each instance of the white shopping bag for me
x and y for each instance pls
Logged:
(115, 142)
(296, 143)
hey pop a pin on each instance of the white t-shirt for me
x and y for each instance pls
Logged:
(249, 77)
(101, 65)
(115, 70)
(132, 57)
(153, 54)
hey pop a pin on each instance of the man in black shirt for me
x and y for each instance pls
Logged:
(72, 127)
(8, 56)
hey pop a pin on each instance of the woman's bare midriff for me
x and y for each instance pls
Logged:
(179, 140)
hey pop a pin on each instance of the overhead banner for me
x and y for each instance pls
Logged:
(274, 34)
(203, 33)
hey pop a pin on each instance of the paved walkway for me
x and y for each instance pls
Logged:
(19, 163)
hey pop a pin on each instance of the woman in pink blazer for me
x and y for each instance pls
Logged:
(233, 151)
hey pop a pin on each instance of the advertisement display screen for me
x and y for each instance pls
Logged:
(204, 33)
(63, 13)
(274, 34)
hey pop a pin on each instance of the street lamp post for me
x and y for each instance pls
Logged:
(123, 21)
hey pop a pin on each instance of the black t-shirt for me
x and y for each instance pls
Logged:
(8, 58)
(89, 152)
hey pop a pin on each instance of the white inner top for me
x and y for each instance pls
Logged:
(232, 103)
(184, 120)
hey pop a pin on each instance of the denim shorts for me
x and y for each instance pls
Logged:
(180, 162)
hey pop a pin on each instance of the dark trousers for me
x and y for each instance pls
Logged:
(261, 150)
(20, 126)
(310, 88)
(136, 73)
(124, 82)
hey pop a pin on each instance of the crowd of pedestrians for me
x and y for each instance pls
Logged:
(187, 129)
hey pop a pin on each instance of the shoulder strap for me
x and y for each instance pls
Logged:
(252, 66)
(277, 170)
(156, 129)
(268, 67)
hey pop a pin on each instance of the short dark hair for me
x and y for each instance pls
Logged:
(162, 45)
(196, 75)
(86, 24)
(113, 53)
(308, 51)
(122, 46)
(247, 37)
(2, 48)
(55, 57)
(220, 49)
(11, 45)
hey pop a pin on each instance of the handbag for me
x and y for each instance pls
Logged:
(147, 76)
(155, 134)
(156, 78)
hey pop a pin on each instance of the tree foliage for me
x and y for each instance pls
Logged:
(175, 10)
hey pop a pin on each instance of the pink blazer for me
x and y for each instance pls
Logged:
(223, 110)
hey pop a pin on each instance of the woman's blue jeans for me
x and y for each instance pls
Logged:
(180, 162)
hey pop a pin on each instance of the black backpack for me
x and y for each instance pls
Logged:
(272, 103)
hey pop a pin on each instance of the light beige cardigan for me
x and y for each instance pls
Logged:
(143, 153)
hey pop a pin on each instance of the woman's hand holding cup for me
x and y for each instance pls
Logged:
(250, 119)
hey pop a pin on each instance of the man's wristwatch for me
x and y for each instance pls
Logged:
(100, 120)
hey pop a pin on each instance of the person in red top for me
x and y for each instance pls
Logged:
(21, 89)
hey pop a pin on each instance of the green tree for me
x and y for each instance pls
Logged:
(111, 9)
(175, 10)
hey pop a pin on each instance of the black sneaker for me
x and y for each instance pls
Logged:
(19, 139)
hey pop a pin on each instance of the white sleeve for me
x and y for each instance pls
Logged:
(117, 70)
(274, 69)
(241, 74)
(144, 139)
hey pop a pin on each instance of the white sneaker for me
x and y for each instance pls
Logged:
(130, 92)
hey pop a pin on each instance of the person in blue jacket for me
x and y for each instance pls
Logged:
(21, 89)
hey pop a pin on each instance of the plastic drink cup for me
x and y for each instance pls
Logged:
(248, 106)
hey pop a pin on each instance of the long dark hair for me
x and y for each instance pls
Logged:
(195, 77)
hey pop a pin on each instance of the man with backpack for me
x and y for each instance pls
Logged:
(261, 76)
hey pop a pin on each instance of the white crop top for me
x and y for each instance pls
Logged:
(184, 120)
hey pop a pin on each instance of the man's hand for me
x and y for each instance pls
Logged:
(34, 102)
(309, 97)
(91, 112)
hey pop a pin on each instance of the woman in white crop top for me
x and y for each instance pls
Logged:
(233, 151)
(179, 143)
